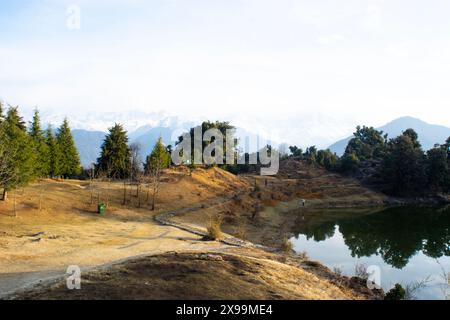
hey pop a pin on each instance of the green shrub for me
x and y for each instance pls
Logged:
(396, 293)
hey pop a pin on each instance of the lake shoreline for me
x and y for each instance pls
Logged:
(278, 208)
(408, 243)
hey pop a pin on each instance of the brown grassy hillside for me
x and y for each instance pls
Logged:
(56, 225)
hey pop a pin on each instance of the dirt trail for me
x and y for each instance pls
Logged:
(39, 245)
(239, 273)
(167, 219)
(167, 237)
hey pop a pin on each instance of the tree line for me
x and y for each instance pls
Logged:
(28, 152)
(399, 165)
(120, 160)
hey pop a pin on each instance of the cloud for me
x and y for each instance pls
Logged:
(330, 40)
(374, 17)
(239, 57)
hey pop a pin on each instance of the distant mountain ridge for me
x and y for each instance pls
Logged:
(429, 134)
(89, 142)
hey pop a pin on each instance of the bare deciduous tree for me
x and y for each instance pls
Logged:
(91, 174)
(139, 177)
(136, 170)
(156, 162)
(41, 194)
(155, 176)
(124, 201)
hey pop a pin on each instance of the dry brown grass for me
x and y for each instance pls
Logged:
(199, 276)
(286, 246)
(75, 233)
(214, 228)
(240, 232)
(270, 202)
(303, 255)
(279, 201)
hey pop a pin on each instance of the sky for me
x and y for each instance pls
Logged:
(293, 67)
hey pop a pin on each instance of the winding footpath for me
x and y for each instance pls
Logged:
(13, 284)
(167, 220)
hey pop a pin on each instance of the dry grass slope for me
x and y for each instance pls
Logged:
(67, 230)
(198, 276)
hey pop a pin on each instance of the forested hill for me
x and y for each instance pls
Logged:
(429, 134)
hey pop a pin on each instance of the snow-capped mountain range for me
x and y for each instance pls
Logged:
(144, 128)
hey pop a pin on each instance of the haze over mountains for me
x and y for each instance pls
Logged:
(429, 134)
(169, 128)
(89, 142)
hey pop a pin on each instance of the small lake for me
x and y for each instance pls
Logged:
(408, 245)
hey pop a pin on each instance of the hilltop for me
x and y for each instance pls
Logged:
(127, 244)
(266, 213)
(429, 134)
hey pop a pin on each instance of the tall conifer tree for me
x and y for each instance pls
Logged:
(21, 155)
(70, 159)
(115, 157)
(2, 113)
(42, 164)
(156, 161)
(54, 153)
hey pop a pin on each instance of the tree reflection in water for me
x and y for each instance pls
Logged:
(396, 234)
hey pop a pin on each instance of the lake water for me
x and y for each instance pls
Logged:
(408, 245)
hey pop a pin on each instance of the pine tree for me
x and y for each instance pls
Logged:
(403, 167)
(446, 146)
(158, 160)
(349, 162)
(225, 128)
(18, 154)
(14, 119)
(5, 155)
(54, 153)
(115, 157)
(2, 113)
(70, 159)
(42, 164)
(367, 144)
(437, 168)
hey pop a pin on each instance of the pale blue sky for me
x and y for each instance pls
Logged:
(353, 61)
